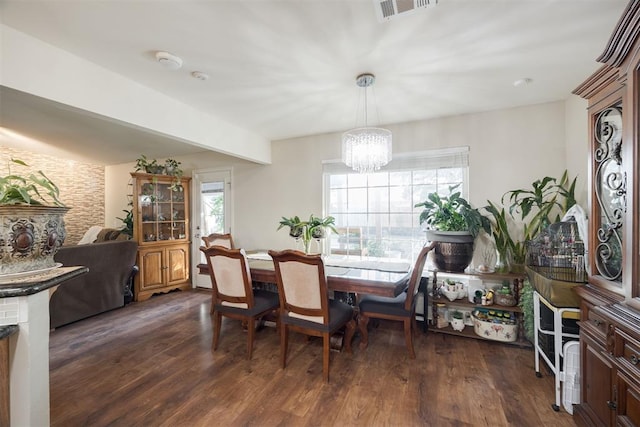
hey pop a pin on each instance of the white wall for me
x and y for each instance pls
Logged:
(577, 145)
(509, 149)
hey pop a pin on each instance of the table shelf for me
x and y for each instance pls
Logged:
(485, 281)
(468, 332)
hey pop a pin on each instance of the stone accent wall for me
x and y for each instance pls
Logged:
(81, 187)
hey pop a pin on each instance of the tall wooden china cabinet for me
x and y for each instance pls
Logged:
(610, 301)
(161, 228)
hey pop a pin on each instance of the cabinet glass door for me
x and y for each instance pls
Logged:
(610, 194)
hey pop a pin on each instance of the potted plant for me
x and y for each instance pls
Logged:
(454, 224)
(457, 320)
(501, 236)
(172, 168)
(315, 228)
(535, 208)
(537, 205)
(148, 166)
(450, 214)
(294, 224)
(31, 221)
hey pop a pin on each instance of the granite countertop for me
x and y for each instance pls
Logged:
(7, 331)
(29, 285)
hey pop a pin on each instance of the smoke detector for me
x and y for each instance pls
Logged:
(168, 60)
(523, 82)
(199, 75)
(387, 9)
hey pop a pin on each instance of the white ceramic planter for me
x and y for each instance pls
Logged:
(457, 324)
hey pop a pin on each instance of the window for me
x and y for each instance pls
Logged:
(375, 212)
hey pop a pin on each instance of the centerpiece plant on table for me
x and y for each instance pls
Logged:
(314, 228)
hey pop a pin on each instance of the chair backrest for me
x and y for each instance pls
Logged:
(302, 285)
(216, 239)
(230, 276)
(416, 275)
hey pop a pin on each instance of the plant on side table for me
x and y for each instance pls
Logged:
(457, 320)
(454, 224)
(535, 209)
(31, 221)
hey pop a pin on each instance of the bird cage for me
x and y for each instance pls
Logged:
(558, 253)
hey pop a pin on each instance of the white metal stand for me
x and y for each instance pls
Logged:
(558, 335)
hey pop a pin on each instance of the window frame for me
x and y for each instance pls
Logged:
(432, 160)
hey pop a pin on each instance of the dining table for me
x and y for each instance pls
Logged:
(347, 276)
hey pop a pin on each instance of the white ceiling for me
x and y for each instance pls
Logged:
(287, 68)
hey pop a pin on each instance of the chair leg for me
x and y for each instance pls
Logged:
(217, 323)
(363, 321)
(251, 329)
(326, 346)
(284, 338)
(408, 336)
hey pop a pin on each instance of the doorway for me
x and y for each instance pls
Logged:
(211, 213)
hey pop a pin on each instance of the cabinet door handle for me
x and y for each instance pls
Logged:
(611, 404)
(634, 359)
(597, 322)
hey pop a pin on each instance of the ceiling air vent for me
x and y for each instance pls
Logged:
(387, 9)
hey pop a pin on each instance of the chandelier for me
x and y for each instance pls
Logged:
(366, 149)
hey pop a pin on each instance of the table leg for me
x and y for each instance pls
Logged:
(363, 322)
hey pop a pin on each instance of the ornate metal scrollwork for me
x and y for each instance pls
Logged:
(610, 192)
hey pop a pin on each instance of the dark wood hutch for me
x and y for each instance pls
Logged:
(610, 301)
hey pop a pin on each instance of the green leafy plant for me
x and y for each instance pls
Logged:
(505, 245)
(294, 224)
(452, 213)
(127, 222)
(317, 226)
(172, 167)
(536, 206)
(148, 166)
(456, 314)
(308, 230)
(34, 189)
(526, 304)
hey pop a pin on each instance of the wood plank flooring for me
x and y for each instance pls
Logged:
(151, 364)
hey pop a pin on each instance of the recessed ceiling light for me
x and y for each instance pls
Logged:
(168, 60)
(200, 75)
(523, 82)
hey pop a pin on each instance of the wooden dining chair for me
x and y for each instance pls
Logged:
(217, 239)
(233, 294)
(401, 308)
(305, 306)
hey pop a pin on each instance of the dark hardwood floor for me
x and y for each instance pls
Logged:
(151, 364)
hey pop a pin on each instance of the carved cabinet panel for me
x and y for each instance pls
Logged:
(610, 301)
